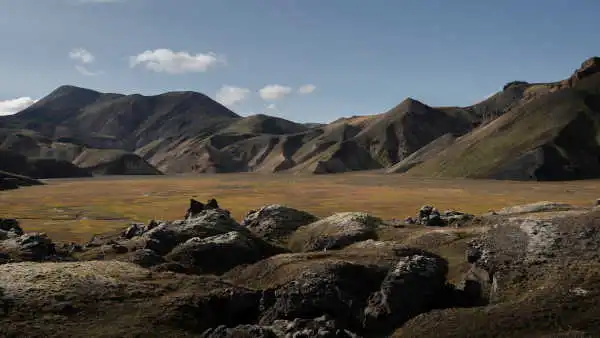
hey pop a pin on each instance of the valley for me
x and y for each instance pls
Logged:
(76, 209)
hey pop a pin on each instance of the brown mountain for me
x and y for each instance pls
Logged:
(551, 133)
(525, 131)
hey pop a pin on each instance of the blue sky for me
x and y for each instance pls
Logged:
(358, 57)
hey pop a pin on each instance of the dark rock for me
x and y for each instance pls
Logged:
(211, 204)
(424, 212)
(276, 222)
(195, 208)
(146, 258)
(335, 232)
(241, 331)
(435, 219)
(167, 236)
(29, 247)
(218, 254)
(412, 287)
(135, 229)
(11, 225)
(430, 216)
(323, 326)
(339, 290)
(153, 224)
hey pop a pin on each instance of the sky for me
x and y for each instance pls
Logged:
(304, 60)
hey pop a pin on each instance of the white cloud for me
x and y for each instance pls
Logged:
(274, 92)
(168, 61)
(84, 71)
(9, 107)
(82, 55)
(307, 89)
(230, 95)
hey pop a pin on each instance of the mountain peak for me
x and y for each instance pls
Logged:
(410, 104)
(589, 67)
(72, 90)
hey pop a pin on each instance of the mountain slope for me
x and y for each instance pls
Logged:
(541, 131)
(552, 137)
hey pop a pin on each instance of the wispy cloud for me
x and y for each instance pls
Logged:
(167, 61)
(307, 89)
(230, 95)
(12, 106)
(83, 57)
(274, 92)
(84, 71)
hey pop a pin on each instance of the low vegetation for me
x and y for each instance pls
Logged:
(73, 210)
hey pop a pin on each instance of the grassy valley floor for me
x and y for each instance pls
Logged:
(75, 209)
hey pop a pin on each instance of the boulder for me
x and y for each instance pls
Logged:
(344, 284)
(10, 225)
(542, 206)
(116, 299)
(535, 276)
(338, 289)
(335, 232)
(430, 216)
(29, 247)
(145, 258)
(416, 284)
(166, 236)
(323, 326)
(220, 253)
(276, 222)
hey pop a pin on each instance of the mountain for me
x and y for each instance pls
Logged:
(551, 134)
(539, 131)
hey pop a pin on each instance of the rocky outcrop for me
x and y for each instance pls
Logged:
(525, 269)
(413, 286)
(17, 246)
(219, 254)
(208, 241)
(197, 207)
(323, 326)
(365, 291)
(276, 222)
(522, 268)
(430, 216)
(588, 67)
(335, 232)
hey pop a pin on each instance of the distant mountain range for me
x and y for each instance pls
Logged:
(526, 131)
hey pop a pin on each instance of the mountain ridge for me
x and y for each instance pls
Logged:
(188, 132)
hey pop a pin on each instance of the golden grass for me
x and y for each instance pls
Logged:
(76, 209)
